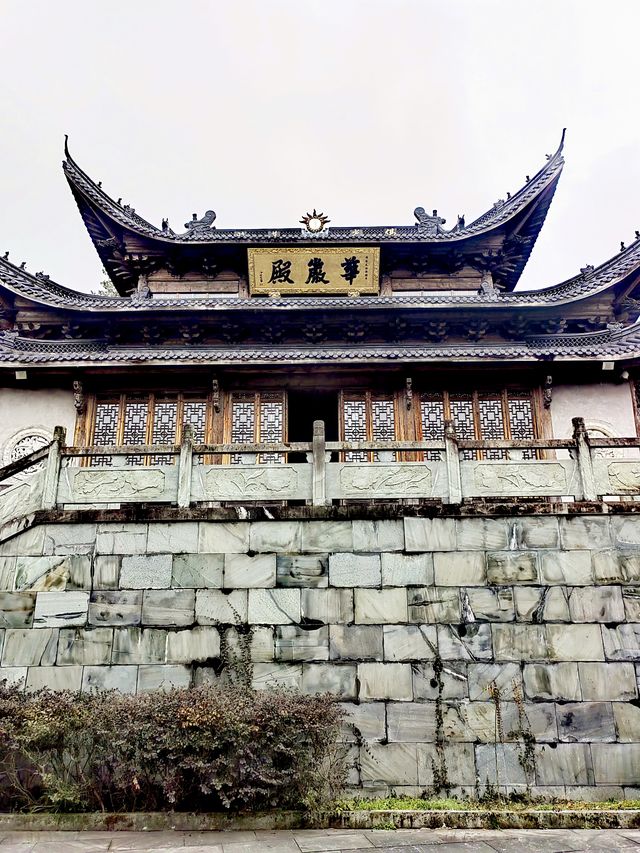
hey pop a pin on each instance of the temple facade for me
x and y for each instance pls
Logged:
(361, 449)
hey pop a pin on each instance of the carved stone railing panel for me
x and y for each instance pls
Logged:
(370, 481)
(22, 498)
(118, 485)
(617, 477)
(543, 478)
(251, 482)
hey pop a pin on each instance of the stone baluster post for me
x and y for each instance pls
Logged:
(585, 462)
(52, 468)
(319, 463)
(185, 466)
(452, 460)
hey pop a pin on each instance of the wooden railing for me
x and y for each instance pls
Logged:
(449, 470)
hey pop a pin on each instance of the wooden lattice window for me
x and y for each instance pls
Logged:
(254, 417)
(365, 416)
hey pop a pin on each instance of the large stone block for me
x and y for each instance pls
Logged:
(106, 571)
(541, 604)
(176, 537)
(299, 644)
(15, 676)
(409, 642)
(627, 719)
(121, 539)
(146, 572)
(492, 605)
(499, 765)
(557, 681)
(270, 675)
(7, 573)
(453, 678)
(484, 534)
(629, 566)
(434, 604)
(78, 646)
(407, 569)
(195, 645)
(471, 642)
(389, 764)
(574, 642)
(519, 642)
(69, 539)
(625, 532)
(339, 679)
(26, 647)
(121, 678)
(244, 571)
(303, 570)
(567, 568)
(596, 604)
(378, 535)
(430, 534)
(512, 567)
(534, 533)
(364, 722)
(54, 677)
(197, 571)
(607, 567)
(622, 642)
(483, 677)
(61, 609)
(616, 764)
(113, 607)
(163, 677)
(348, 570)
(261, 643)
(411, 722)
(631, 599)
(385, 681)
(458, 758)
(16, 609)
(328, 606)
(459, 568)
(607, 681)
(584, 722)
(327, 536)
(274, 606)
(138, 645)
(355, 642)
(567, 764)
(217, 537)
(173, 608)
(41, 573)
(29, 542)
(282, 537)
(213, 606)
(380, 606)
(586, 532)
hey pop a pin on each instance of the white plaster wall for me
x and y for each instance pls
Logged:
(607, 407)
(24, 409)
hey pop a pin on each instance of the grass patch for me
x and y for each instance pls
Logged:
(516, 803)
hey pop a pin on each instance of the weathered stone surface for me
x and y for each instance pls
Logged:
(378, 536)
(112, 607)
(54, 677)
(28, 542)
(146, 572)
(122, 678)
(69, 539)
(177, 537)
(625, 531)
(347, 570)
(519, 642)
(162, 677)
(499, 765)
(627, 719)
(121, 539)
(171, 607)
(355, 642)
(434, 604)
(327, 536)
(60, 609)
(552, 681)
(574, 642)
(411, 723)
(569, 568)
(492, 605)
(483, 534)
(77, 646)
(607, 567)
(15, 676)
(299, 644)
(329, 606)
(41, 573)
(616, 764)
(596, 604)
(218, 537)
(580, 722)
(470, 642)
(197, 571)
(541, 604)
(213, 606)
(602, 681)
(453, 677)
(106, 571)
(139, 645)
(458, 757)
(430, 534)
(243, 571)
(26, 647)
(537, 532)
(364, 722)
(303, 570)
(385, 681)
(512, 567)
(567, 764)
(585, 532)
(502, 676)
(195, 645)
(266, 675)
(622, 642)
(409, 642)
(7, 573)
(16, 609)
(284, 537)
(407, 569)
(261, 643)
(629, 566)
(476, 721)
(631, 599)
(274, 606)
(398, 761)
(380, 606)
(339, 679)
(459, 568)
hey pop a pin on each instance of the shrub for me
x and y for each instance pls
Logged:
(202, 749)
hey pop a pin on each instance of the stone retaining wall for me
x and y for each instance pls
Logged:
(424, 627)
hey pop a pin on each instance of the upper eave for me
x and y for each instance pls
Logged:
(520, 216)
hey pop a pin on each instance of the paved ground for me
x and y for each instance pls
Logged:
(324, 841)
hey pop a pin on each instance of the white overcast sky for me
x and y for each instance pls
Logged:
(364, 109)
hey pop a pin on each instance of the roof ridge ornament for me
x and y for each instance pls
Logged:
(314, 222)
(204, 224)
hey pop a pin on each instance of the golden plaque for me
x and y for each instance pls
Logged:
(314, 270)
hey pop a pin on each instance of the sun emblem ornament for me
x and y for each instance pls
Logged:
(314, 222)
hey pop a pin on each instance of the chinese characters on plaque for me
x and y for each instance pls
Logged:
(321, 270)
